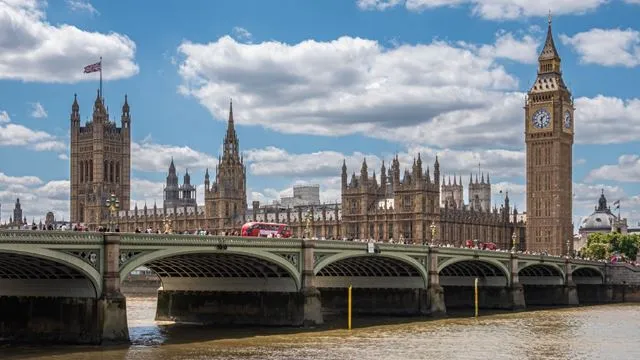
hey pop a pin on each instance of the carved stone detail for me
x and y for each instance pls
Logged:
(127, 255)
(293, 258)
(90, 256)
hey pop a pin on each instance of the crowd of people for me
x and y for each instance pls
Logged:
(402, 240)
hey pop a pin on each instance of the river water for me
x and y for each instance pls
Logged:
(597, 332)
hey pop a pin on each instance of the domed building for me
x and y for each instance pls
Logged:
(602, 220)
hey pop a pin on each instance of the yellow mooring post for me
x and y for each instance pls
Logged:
(349, 310)
(475, 291)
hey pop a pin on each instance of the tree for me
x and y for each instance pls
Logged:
(601, 245)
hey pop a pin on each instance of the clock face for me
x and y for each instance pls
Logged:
(567, 119)
(541, 119)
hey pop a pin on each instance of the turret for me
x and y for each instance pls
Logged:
(207, 181)
(75, 112)
(344, 173)
(383, 176)
(126, 116)
(436, 171)
(364, 175)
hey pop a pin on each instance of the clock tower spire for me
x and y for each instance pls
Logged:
(549, 141)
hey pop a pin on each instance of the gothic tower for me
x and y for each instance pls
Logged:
(17, 213)
(549, 140)
(226, 198)
(100, 163)
(480, 193)
(171, 189)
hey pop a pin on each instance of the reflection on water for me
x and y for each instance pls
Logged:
(602, 332)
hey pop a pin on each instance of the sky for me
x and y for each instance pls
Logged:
(313, 83)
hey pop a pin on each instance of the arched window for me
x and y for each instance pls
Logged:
(86, 171)
(118, 172)
(81, 171)
(111, 172)
(106, 171)
(91, 170)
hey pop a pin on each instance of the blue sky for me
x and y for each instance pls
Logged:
(314, 82)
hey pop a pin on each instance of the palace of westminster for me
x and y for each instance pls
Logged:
(417, 205)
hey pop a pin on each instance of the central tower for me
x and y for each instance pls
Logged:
(549, 135)
(226, 198)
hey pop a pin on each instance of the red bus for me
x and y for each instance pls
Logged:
(263, 229)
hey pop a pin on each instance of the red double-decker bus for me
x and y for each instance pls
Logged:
(263, 229)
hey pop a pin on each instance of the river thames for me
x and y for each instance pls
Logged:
(598, 332)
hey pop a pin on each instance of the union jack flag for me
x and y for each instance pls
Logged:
(93, 67)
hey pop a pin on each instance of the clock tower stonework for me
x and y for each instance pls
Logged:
(549, 126)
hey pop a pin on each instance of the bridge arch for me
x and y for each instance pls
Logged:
(22, 276)
(370, 271)
(541, 274)
(586, 274)
(462, 272)
(239, 264)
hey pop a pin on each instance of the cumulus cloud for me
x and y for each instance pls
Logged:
(626, 170)
(38, 111)
(151, 157)
(82, 6)
(4, 117)
(241, 34)
(606, 47)
(621, 116)
(19, 135)
(354, 85)
(493, 9)
(32, 49)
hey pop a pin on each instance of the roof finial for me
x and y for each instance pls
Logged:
(549, 17)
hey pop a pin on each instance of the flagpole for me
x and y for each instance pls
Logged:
(101, 97)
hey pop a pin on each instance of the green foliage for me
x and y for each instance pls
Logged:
(602, 245)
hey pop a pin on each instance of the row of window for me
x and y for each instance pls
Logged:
(111, 171)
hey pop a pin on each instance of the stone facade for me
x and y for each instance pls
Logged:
(549, 126)
(176, 195)
(408, 209)
(100, 163)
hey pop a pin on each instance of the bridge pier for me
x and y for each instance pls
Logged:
(435, 292)
(112, 305)
(516, 290)
(312, 305)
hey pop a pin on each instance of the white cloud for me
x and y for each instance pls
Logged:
(353, 85)
(32, 49)
(35, 197)
(241, 34)
(622, 119)
(607, 47)
(626, 170)
(19, 180)
(80, 6)
(150, 157)
(38, 111)
(493, 9)
(4, 117)
(507, 46)
(18, 135)
(63, 157)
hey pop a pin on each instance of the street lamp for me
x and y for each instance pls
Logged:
(514, 237)
(567, 252)
(112, 204)
(433, 231)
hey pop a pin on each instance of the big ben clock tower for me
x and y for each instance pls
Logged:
(549, 128)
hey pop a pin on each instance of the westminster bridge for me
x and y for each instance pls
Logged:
(65, 286)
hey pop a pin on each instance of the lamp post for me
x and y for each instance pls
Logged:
(433, 231)
(112, 204)
(514, 237)
(567, 252)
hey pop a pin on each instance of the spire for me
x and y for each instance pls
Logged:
(230, 124)
(488, 179)
(172, 167)
(125, 107)
(75, 108)
(206, 174)
(549, 51)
